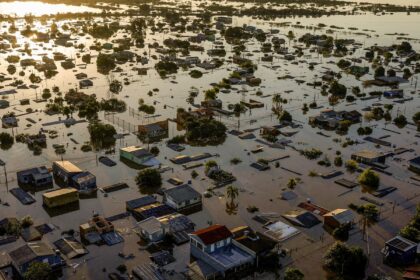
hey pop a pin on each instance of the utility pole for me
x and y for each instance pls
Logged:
(2, 163)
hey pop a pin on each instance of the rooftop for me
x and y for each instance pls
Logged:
(150, 225)
(415, 160)
(182, 193)
(368, 154)
(401, 243)
(140, 202)
(59, 192)
(30, 251)
(213, 234)
(341, 215)
(231, 256)
(67, 166)
(137, 151)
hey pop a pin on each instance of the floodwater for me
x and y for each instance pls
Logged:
(393, 2)
(38, 8)
(261, 189)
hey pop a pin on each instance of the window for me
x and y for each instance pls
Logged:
(220, 244)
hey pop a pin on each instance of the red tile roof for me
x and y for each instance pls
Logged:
(213, 234)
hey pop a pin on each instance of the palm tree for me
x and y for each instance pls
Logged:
(369, 215)
(277, 107)
(231, 208)
(232, 193)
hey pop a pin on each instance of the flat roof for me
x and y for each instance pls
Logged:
(67, 166)
(231, 256)
(182, 193)
(59, 192)
(401, 243)
(368, 154)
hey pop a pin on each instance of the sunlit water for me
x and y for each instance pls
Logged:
(38, 8)
(393, 2)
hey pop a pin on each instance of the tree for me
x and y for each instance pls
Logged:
(149, 178)
(400, 121)
(6, 141)
(115, 86)
(369, 178)
(342, 232)
(379, 72)
(292, 273)
(391, 73)
(285, 117)
(39, 271)
(411, 233)
(102, 135)
(337, 89)
(105, 63)
(209, 164)
(232, 193)
(346, 262)
(416, 117)
(155, 150)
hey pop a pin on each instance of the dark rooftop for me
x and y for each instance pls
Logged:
(182, 193)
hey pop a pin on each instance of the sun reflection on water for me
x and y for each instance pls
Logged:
(22, 8)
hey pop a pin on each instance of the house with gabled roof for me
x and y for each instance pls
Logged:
(215, 255)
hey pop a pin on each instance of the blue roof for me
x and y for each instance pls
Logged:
(140, 202)
(231, 256)
(157, 211)
(112, 238)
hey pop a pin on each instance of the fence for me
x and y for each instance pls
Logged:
(121, 123)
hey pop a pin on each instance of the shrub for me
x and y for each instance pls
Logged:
(149, 177)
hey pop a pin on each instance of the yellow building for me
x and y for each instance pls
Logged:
(60, 197)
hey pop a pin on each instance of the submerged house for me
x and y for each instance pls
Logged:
(184, 199)
(84, 182)
(330, 119)
(414, 164)
(338, 217)
(85, 83)
(151, 229)
(139, 156)
(400, 251)
(257, 244)
(369, 157)
(33, 252)
(36, 177)
(155, 229)
(216, 256)
(157, 130)
(65, 170)
(71, 175)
